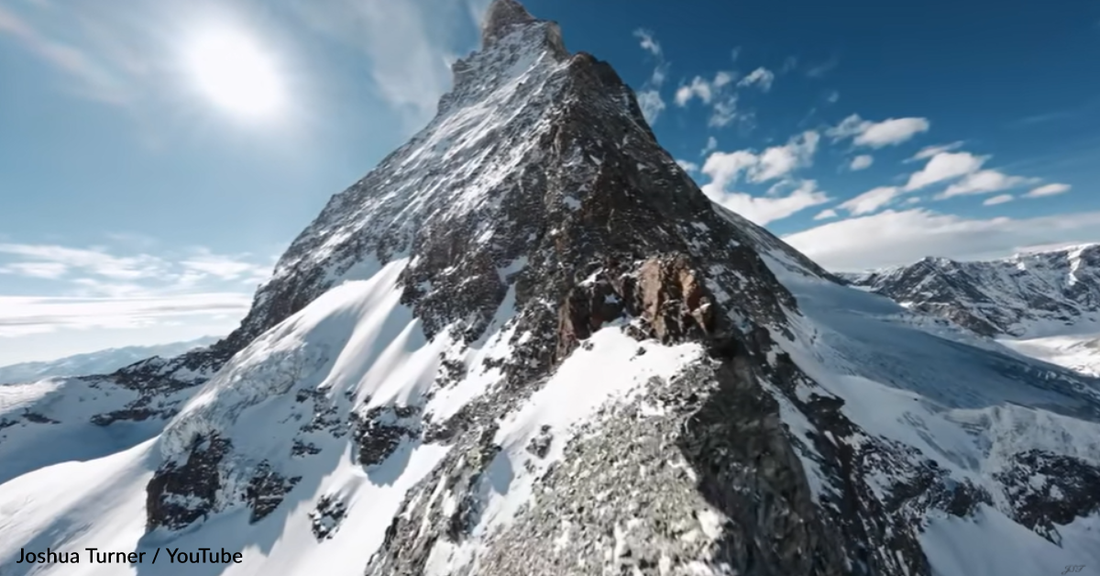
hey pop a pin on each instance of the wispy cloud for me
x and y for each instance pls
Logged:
(93, 79)
(982, 182)
(820, 70)
(761, 78)
(99, 271)
(21, 316)
(1048, 190)
(861, 162)
(998, 199)
(871, 200)
(944, 166)
(889, 132)
(92, 261)
(647, 42)
(649, 96)
(93, 288)
(930, 151)
(409, 44)
(901, 237)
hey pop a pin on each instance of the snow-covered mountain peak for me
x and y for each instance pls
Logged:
(527, 343)
(1028, 294)
(500, 18)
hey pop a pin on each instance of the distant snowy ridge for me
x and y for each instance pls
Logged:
(527, 343)
(99, 362)
(1029, 295)
(1043, 304)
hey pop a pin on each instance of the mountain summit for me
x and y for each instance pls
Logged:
(527, 343)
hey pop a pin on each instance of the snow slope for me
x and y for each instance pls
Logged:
(970, 410)
(1076, 352)
(1045, 305)
(356, 345)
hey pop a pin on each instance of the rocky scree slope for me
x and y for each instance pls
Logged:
(1029, 294)
(527, 343)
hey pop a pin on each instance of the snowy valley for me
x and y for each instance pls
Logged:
(527, 343)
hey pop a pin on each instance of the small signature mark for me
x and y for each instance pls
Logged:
(1073, 568)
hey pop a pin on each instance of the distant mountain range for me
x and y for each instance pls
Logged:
(1029, 295)
(1041, 304)
(100, 362)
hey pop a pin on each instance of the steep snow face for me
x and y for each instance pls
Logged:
(1027, 296)
(1012, 443)
(279, 406)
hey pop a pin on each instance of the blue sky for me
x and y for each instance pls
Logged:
(142, 206)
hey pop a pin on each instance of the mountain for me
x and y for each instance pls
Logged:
(1042, 304)
(100, 362)
(527, 343)
(1028, 295)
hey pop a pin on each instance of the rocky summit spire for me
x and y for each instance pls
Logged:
(501, 16)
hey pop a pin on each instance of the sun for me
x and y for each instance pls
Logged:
(235, 73)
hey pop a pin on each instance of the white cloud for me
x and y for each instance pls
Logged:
(699, 88)
(765, 209)
(89, 260)
(688, 165)
(712, 145)
(861, 162)
(889, 132)
(774, 163)
(982, 182)
(724, 112)
(871, 200)
(647, 42)
(761, 77)
(703, 89)
(998, 199)
(930, 151)
(945, 166)
(900, 237)
(1048, 190)
(226, 267)
(47, 270)
(826, 214)
(724, 168)
(649, 96)
(21, 315)
(832, 97)
(778, 161)
(94, 271)
(651, 104)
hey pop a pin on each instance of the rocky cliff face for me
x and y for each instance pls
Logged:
(1037, 293)
(526, 343)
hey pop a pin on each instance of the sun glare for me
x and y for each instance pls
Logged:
(235, 73)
